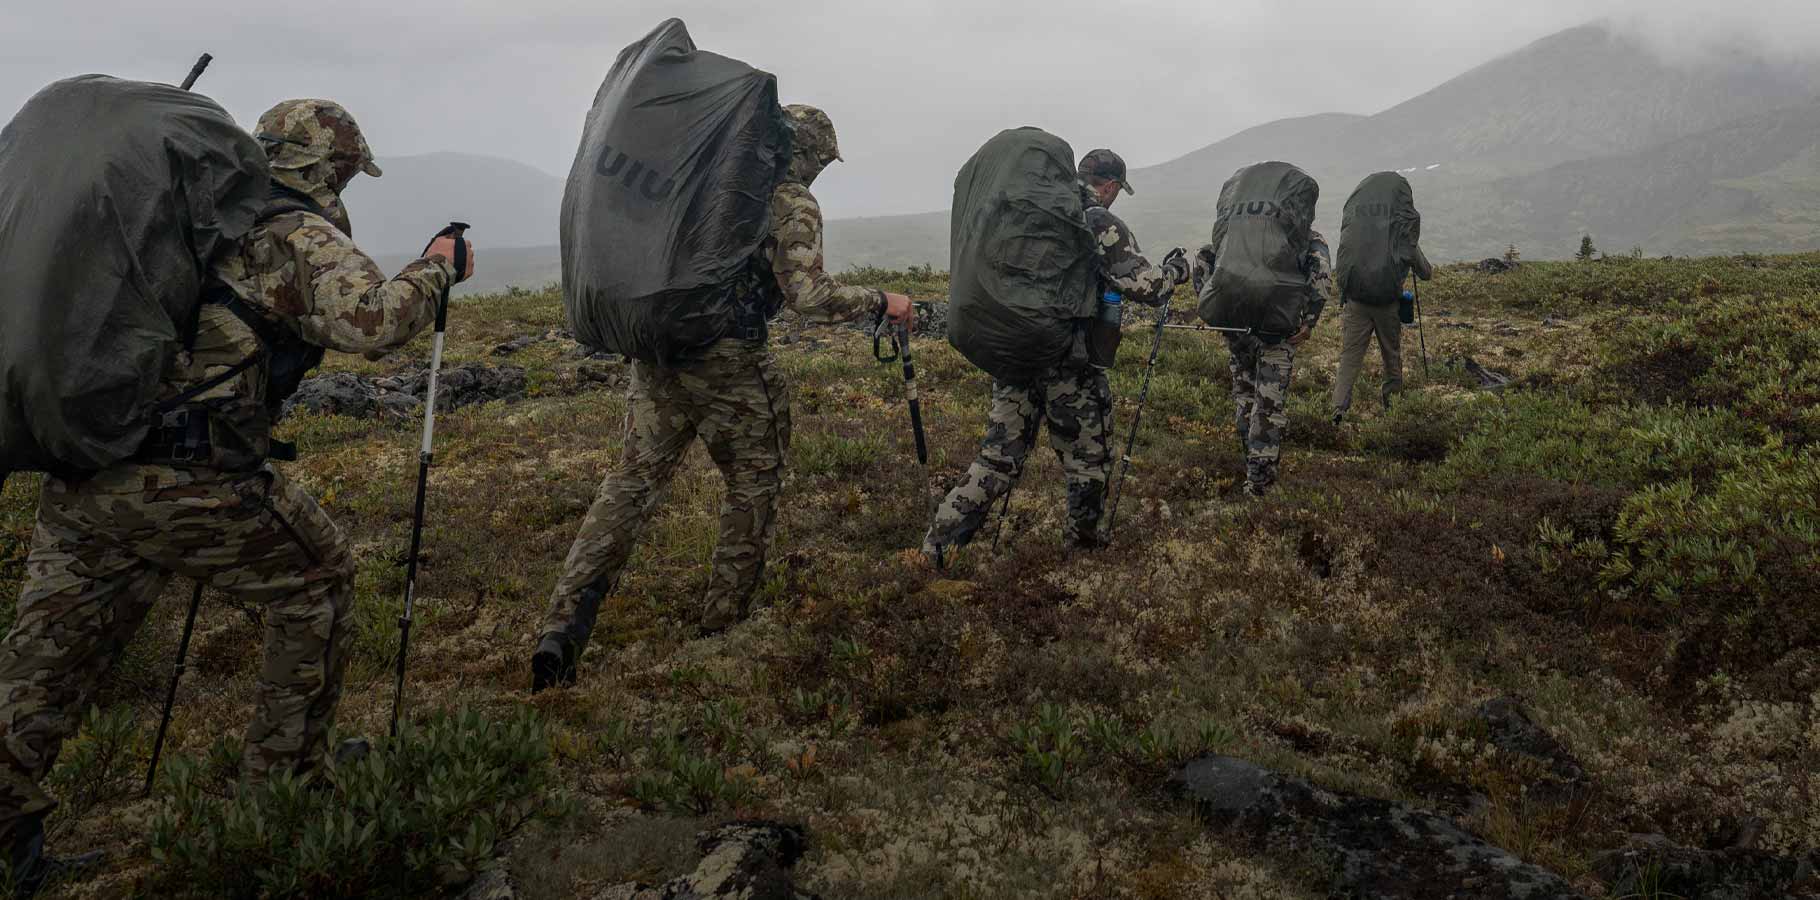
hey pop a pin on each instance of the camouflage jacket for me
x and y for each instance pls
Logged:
(795, 254)
(1318, 266)
(304, 274)
(1122, 266)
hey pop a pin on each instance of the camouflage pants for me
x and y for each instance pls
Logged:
(736, 402)
(1077, 405)
(1260, 390)
(1358, 323)
(104, 549)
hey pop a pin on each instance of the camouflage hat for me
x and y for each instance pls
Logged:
(813, 130)
(298, 134)
(1107, 165)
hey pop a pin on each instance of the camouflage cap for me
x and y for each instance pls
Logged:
(298, 134)
(813, 130)
(1107, 165)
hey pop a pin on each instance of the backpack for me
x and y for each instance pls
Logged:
(668, 202)
(1378, 236)
(1260, 242)
(117, 199)
(1021, 260)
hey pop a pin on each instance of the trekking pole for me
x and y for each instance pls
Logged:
(189, 621)
(1421, 333)
(426, 457)
(1005, 511)
(196, 71)
(1118, 484)
(170, 696)
(900, 349)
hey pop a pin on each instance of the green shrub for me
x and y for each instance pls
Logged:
(1565, 439)
(425, 810)
(1749, 546)
(1758, 357)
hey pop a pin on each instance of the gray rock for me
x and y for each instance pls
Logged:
(1652, 866)
(1379, 850)
(493, 885)
(744, 860)
(400, 396)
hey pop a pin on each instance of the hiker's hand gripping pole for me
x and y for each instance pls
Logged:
(426, 457)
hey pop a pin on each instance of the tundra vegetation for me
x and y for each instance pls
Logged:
(1626, 537)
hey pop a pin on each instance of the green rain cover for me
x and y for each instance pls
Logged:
(116, 200)
(1260, 242)
(1378, 239)
(669, 199)
(1021, 257)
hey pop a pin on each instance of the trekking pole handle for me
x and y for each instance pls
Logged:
(456, 230)
(878, 337)
(196, 71)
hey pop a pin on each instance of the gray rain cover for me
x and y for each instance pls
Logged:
(116, 198)
(669, 198)
(1260, 242)
(1378, 238)
(1021, 258)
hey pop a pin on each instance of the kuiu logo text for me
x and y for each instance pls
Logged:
(1372, 210)
(1252, 208)
(611, 163)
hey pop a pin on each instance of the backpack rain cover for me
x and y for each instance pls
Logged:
(1378, 238)
(1260, 242)
(116, 200)
(1021, 259)
(669, 198)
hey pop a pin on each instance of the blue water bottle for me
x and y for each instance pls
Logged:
(1103, 337)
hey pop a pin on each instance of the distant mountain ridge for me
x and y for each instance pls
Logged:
(1483, 149)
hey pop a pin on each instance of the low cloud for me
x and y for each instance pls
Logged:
(1696, 32)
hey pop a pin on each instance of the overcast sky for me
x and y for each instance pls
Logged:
(914, 86)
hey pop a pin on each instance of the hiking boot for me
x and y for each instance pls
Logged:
(1255, 490)
(1338, 418)
(553, 665)
(32, 871)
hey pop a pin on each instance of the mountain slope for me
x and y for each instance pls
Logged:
(1753, 185)
(1583, 97)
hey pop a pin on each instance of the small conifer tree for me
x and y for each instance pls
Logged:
(1587, 250)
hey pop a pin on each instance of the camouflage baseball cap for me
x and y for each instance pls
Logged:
(1107, 165)
(298, 134)
(813, 130)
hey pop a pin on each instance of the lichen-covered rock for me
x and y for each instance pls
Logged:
(740, 861)
(401, 396)
(1379, 850)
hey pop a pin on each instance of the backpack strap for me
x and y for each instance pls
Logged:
(273, 339)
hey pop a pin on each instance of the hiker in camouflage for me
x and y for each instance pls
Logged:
(200, 500)
(736, 401)
(1075, 399)
(1262, 368)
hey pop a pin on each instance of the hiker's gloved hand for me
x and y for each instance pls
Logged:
(900, 311)
(1203, 266)
(444, 247)
(1297, 339)
(1175, 265)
